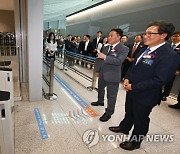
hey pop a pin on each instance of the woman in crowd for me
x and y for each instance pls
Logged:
(51, 47)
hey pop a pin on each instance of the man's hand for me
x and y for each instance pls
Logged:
(126, 82)
(101, 55)
(95, 50)
(177, 72)
(97, 75)
(127, 85)
(130, 59)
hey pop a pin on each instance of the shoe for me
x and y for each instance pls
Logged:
(175, 106)
(129, 145)
(164, 98)
(104, 117)
(118, 130)
(97, 104)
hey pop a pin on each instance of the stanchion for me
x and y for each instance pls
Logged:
(85, 59)
(94, 78)
(64, 60)
(51, 95)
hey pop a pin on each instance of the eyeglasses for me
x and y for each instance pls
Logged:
(149, 33)
(176, 36)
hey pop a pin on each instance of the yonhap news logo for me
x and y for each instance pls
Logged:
(91, 138)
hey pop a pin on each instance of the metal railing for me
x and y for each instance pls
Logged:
(84, 59)
(49, 78)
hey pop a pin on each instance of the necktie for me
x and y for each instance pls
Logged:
(173, 46)
(143, 54)
(110, 48)
(133, 49)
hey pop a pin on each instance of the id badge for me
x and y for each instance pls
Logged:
(148, 61)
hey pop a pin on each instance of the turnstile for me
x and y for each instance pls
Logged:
(6, 84)
(6, 125)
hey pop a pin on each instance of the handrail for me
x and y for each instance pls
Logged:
(84, 58)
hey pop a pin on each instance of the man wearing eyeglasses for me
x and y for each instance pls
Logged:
(152, 68)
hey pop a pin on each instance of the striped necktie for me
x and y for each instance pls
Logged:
(143, 54)
(173, 46)
(134, 49)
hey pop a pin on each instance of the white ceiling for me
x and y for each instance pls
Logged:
(6, 4)
(58, 9)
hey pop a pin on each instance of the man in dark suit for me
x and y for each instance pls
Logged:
(95, 43)
(86, 48)
(152, 68)
(133, 50)
(68, 42)
(175, 45)
(124, 40)
(109, 72)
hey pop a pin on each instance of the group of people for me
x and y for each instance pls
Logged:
(149, 69)
(145, 67)
(74, 44)
(85, 47)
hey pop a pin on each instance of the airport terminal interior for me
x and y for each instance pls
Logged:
(45, 103)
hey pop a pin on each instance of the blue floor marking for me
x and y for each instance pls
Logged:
(84, 113)
(78, 99)
(40, 124)
(74, 114)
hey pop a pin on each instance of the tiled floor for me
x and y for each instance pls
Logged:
(65, 135)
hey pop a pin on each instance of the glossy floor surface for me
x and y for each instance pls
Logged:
(66, 120)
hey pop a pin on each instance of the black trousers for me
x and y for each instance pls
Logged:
(136, 114)
(125, 67)
(112, 90)
(168, 87)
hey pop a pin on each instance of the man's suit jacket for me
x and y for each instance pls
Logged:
(89, 49)
(127, 63)
(136, 51)
(177, 50)
(110, 68)
(67, 45)
(80, 47)
(149, 75)
(95, 44)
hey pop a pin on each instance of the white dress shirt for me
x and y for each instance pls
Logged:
(86, 44)
(98, 38)
(152, 49)
(51, 46)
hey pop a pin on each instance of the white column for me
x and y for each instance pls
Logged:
(35, 47)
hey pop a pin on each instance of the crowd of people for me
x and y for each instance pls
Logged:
(151, 65)
(147, 65)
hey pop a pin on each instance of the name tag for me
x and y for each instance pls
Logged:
(148, 61)
(114, 54)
